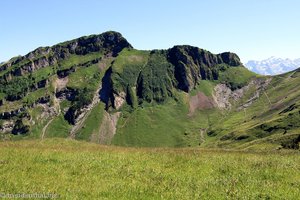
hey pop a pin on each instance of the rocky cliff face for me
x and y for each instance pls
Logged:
(193, 64)
(108, 43)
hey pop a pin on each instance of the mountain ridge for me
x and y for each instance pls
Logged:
(100, 89)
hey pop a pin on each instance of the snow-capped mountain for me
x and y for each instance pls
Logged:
(273, 65)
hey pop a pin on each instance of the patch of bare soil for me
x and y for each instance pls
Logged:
(61, 83)
(200, 101)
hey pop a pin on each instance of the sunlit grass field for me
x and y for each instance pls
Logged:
(80, 170)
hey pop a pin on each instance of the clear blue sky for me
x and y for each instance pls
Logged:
(254, 29)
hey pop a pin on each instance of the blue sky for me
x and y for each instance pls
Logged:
(254, 29)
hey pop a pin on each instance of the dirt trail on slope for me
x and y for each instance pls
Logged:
(45, 128)
(49, 112)
(267, 97)
(202, 135)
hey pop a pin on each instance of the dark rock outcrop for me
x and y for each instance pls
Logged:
(106, 92)
(71, 115)
(83, 98)
(193, 64)
(11, 114)
(20, 128)
(65, 72)
(291, 143)
(42, 83)
(43, 100)
(67, 93)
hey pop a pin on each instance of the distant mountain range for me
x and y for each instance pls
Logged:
(273, 65)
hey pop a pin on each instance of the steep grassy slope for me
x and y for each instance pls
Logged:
(147, 125)
(71, 169)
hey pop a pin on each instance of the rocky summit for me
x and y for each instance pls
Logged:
(100, 89)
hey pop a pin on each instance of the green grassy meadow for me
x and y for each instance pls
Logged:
(81, 170)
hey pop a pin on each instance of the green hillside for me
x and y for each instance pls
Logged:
(100, 89)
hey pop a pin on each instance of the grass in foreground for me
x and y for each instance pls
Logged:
(79, 170)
